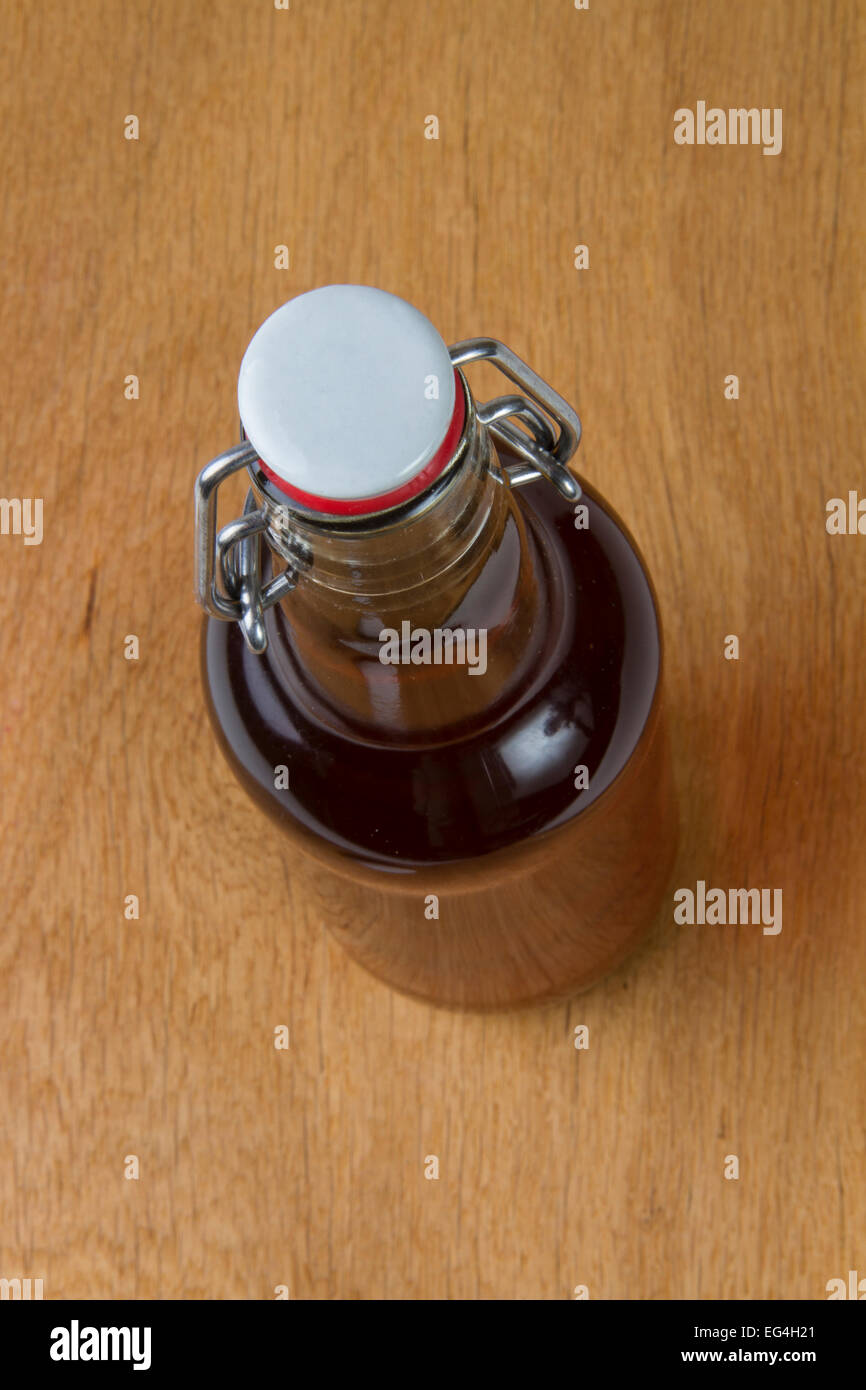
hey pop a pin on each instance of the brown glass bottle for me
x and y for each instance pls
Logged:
(464, 857)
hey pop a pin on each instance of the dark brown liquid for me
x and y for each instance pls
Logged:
(446, 795)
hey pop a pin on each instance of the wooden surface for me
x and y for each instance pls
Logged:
(155, 1037)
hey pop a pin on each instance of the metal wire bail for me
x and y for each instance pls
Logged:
(547, 456)
(226, 587)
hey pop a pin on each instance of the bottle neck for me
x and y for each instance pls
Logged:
(417, 624)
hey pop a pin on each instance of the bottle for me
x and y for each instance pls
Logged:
(433, 656)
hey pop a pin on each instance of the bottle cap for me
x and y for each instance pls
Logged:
(349, 397)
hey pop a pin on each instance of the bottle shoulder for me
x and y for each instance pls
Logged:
(521, 767)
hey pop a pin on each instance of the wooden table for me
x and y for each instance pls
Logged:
(155, 258)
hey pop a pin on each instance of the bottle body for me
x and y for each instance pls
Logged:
(488, 837)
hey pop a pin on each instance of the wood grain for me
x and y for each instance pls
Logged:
(154, 1037)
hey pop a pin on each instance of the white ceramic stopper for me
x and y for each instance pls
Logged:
(346, 392)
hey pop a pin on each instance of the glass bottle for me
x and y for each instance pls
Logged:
(440, 671)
